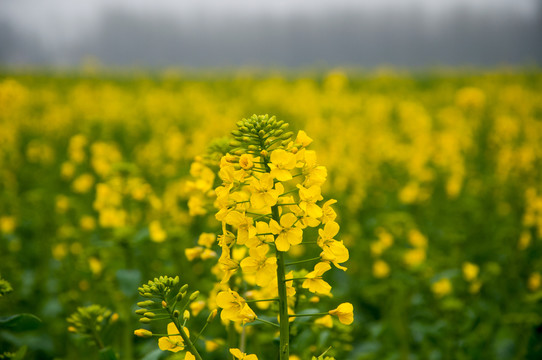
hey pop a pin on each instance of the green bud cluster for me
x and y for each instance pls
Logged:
(90, 320)
(164, 295)
(159, 287)
(259, 133)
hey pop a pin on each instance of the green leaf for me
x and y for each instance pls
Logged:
(20, 322)
(107, 354)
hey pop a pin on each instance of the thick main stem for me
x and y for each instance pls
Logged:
(283, 301)
(284, 323)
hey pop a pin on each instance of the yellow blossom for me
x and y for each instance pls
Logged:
(156, 232)
(206, 239)
(242, 356)
(414, 257)
(345, 313)
(314, 281)
(381, 269)
(303, 139)
(246, 161)
(263, 193)
(325, 321)
(258, 264)
(308, 198)
(7, 224)
(197, 306)
(286, 233)
(442, 287)
(234, 307)
(173, 342)
(416, 239)
(534, 281)
(245, 229)
(470, 271)
(281, 163)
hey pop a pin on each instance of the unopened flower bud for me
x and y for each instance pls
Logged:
(144, 320)
(150, 315)
(142, 333)
(194, 295)
(143, 304)
(164, 304)
(212, 315)
(141, 311)
(186, 315)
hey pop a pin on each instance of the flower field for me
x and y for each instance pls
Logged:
(421, 194)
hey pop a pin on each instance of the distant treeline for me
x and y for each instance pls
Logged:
(338, 38)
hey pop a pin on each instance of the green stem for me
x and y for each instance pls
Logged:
(284, 322)
(189, 345)
(284, 350)
(268, 322)
(258, 300)
(302, 261)
(316, 314)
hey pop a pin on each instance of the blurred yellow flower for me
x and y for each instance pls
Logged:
(442, 287)
(156, 232)
(470, 271)
(381, 269)
(534, 281)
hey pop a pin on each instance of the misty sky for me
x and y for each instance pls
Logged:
(60, 31)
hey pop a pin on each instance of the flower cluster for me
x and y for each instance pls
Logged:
(270, 193)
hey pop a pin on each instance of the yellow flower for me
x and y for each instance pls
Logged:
(173, 342)
(246, 162)
(83, 183)
(414, 257)
(230, 176)
(242, 356)
(470, 271)
(303, 139)
(325, 321)
(381, 269)
(227, 264)
(7, 224)
(263, 194)
(156, 232)
(524, 240)
(333, 250)
(534, 281)
(309, 197)
(345, 313)
(234, 307)
(416, 239)
(314, 174)
(442, 287)
(206, 239)
(281, 163)
(87, 223)
(189, 356)
(287, 233)
(264, 268)
(314, 281)
(193, 253)
(245, 229)
(328, 213)
(197, 306)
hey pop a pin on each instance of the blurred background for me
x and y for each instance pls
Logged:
(295, 33)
